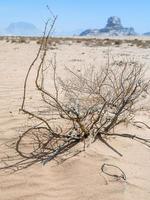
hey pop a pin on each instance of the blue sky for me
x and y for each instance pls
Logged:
(74, 15)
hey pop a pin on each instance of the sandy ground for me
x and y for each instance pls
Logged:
(79, 178)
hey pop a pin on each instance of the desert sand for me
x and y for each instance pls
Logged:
(79, 178)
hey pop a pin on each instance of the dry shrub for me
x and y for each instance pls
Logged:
(118, 42)
(19, 40)
(84, 108)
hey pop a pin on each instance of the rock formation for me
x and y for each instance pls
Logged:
(112, 28)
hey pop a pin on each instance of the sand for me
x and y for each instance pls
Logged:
(80, 177)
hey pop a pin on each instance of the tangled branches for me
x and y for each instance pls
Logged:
(85, 107)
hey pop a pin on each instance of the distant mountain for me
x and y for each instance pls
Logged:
(146, 34)
(22, 29)
(67, 32)
(112, 28)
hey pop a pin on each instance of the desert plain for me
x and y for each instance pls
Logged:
(80, 177)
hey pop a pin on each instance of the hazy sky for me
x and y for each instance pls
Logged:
(77, 14)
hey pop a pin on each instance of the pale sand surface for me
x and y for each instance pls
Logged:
(79, 178)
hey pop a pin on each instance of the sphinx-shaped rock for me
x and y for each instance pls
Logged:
(112, 28)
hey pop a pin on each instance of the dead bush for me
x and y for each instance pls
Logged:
(82, 109)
